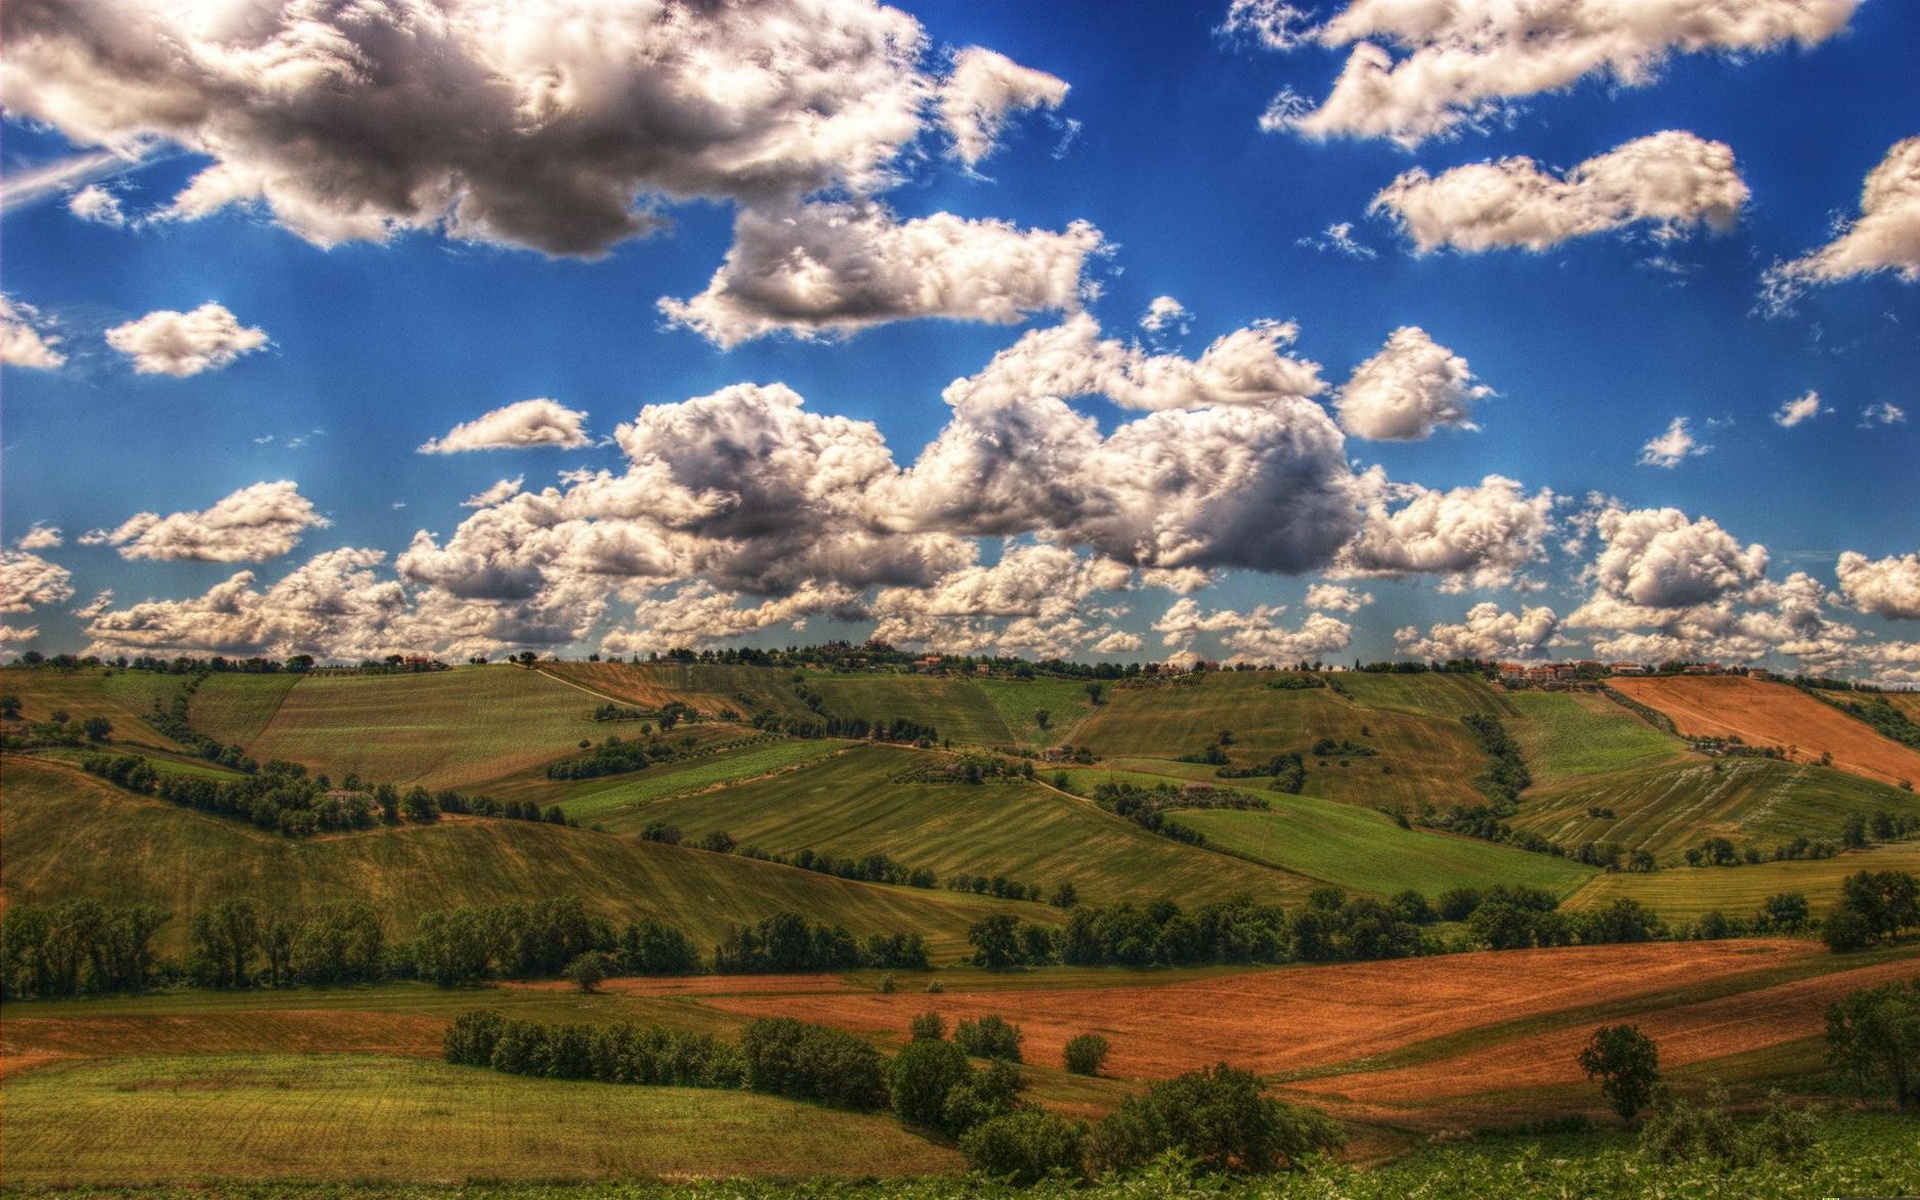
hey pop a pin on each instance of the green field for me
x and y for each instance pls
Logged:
(179, 1119)
(1567, 735)
(1017, 700)
(707, 688)
(1433, 694)
(957, 707)
(1738, 891)
(1026, 832)
(589, 800)
(1418, 759)
(232, 708)
(1365, 852)
(1665, 809)
(125, 698)
(458, 728)
(142, 850)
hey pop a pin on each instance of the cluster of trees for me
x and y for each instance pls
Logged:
(1875, 907)
(786, 943)
(968, 768)
(1786, 912)
(173, 720)
(1148, 807)
(1007, 889)
(619, 1053)
(865, 868)
(1516, 918)
(59, 729)
(340, 942)
(1327, 747)
(899, 729)
(1721, 852)
(460, 946)
(611, 757)
(77, 947)
(1874, 1036)
(1288, 772)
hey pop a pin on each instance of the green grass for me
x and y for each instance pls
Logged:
(850, 805)
(1364, 851)
(1432, 694)
(1666, 809)
(708, 688)
(70, 835)
(1738, 891)
(458, 728)
(1565, 735)
(233, 708)
(958, 708)
(122, 697)
(605, 794)
(179, 1119)
(1420, 759)
(1017, 700)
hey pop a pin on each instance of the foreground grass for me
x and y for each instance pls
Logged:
(373, 1117)
(1858, 1155)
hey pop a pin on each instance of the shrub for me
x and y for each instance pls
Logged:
(990, 1037)
(1216, 1117)
(928, 1026)
(1084, 1054)
(588, 971)
(470, 1040)
(991, 1093)
(920, 1077)
(887, 986)
(811, 1062)
(1027, 1146)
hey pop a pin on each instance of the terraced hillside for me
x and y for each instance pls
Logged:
(1417, 758)
(71, 835)
(850, 805)
(1568, 736)
(126, 698)
(708, 688)
(1765, 714)
(957, 707)
(236, 709)
(1739, 891)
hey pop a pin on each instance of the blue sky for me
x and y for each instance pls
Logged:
(403, 284)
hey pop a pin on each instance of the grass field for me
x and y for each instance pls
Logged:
(1738, 891)
(1364, 851)
(1017, 700)
(232, 708)
(958, 708)
(70, 835)
(123, 697)
(1665, 809)
(592, 799)
(1578, 735)
(1419, 758)
(708, 688)
(1429, 695)
(1778, 715)
(458, 728)
(179, 1119)
(850, 805)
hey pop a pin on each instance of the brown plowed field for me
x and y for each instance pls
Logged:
(1686, 1034)
(30, 1041)
(1773, 714)
(1292, 1019)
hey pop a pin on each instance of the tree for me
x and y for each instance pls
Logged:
(921, 1075)
(995, 942)
(10, 707)
(990, 1037)
(588, 971)
(1875, 1033)
(1217, 1117)
(97, 728)
(1096, 692)
(1027, 1146)
(1042, 717)
(928, 1026)
(1084, 1054)
(1627, 1063)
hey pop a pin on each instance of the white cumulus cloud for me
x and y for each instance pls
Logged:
(1884, 237)
(97, 204)
(258, 522)
(1488, 632)
(985, 89)
(1794, 412)
(1672, 180)
(185, 343)
(1482, 536)
(517, 426)
(40, 537)
(1409, 389)
(26, 338)
(28, 581)
(1335, 598)
(1887, 587)
(1673, 447)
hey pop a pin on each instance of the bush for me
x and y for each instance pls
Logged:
(1679, 1132)
(811, 1062)
(929, 1026)
(1084, 1054)
(588, 971)
(1027, 1146)
(1216, 1117)
(470, 1040)
(887, 986)
(935, 987)
(991, 1093)
(990, 1037)
(920, 1077)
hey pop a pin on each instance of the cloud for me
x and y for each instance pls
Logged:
(1273, 24)
(519, 426)
(1793, 412)
(1884, 413)
(1673, 447)
(24, 188)
(503, 490)
(1656, 558)
(1884, 237)
(1409, 389)
(40, 537)
(1482, 536)
(983, 90)
(1419, 70)
(28, 581)
(1672, 180)
(14, 634)
(823, 269)
(1339, 239)
(26, 339)
(1486, 633)
(258, 522)
(1335, 598)
(1887, 587)
(1165, 313)
(97, 204)
(698, 614)
(1254, 637)
(182, 344)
